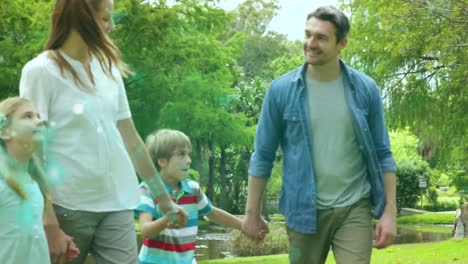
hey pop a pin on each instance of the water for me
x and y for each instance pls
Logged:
(406, 235)
(211, 243)
(211, 239)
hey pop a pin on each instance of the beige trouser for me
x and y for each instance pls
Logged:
(347, 230)
(109, 236)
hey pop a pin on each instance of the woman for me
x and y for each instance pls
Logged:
(77, 87)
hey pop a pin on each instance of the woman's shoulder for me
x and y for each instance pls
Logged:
(40, 65)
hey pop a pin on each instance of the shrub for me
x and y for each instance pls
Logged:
(444, 204)
(409, 171)
(276, 242)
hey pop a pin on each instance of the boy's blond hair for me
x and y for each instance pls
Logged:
(163, 143)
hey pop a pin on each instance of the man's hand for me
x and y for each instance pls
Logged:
(255, 227)
(61, 246)
(385, 231)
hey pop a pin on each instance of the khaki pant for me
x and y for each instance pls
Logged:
(109, 236)
(348, 231)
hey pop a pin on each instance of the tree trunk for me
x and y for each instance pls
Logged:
(197, 161)
(222, 173)
(211, 176)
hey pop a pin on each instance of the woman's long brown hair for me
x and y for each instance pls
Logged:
(36, 168)
(80, 15)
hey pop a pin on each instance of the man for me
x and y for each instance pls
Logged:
(337, 164)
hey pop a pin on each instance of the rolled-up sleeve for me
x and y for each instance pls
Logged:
(267, 135)
(379, 132)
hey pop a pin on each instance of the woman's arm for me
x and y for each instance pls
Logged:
(146, 170)
(61, 246)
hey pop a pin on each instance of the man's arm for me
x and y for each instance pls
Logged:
(253, 224)
(385, 231)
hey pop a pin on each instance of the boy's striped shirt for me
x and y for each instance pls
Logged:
(173, 245)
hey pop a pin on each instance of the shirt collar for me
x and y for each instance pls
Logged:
(184, 186)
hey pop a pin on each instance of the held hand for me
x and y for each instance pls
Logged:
(176, 215)
(385, 231)
(72, 252)
(59, 245)
(255, 227)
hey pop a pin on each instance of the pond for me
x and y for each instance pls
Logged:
(211, 238)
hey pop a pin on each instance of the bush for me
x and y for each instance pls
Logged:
(444, 204)
(276, 242)
(409, 171)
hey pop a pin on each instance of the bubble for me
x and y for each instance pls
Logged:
(100, 130)
(53, 123)
(78, 108)
(54, 173)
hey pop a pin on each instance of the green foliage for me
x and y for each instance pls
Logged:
(443, 204)
(416, 51)
(404, 145)
(23, 31)
(409, 171)
(432, 196)
(440, 179)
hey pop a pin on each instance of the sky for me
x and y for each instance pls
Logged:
(291, 16)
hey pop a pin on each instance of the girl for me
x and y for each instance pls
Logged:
(23, 190)
(78, 89)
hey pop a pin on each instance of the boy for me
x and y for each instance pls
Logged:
(170, 150)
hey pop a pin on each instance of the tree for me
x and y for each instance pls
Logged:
(23, 32)
(416, 51)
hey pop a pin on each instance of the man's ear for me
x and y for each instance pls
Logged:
(162, 163)
(343, 43)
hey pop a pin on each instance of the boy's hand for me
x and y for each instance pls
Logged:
(177, 217)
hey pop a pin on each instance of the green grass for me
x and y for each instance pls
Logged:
(427, 219)
(446, 252)
(427, 228)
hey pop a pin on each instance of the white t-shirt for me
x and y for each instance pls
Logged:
(22, 237)
(98, 174)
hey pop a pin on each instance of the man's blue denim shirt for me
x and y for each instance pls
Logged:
(284, 121)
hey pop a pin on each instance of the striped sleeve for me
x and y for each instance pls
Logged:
(204, 204)
(146, 201)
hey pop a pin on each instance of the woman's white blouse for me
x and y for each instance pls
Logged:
(97, 173)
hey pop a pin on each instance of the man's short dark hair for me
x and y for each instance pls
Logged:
(334, 16)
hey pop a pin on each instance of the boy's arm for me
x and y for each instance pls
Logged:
(222, 217)
(149, 227)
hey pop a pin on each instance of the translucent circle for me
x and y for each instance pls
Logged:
(54, 173)
(78, 108)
